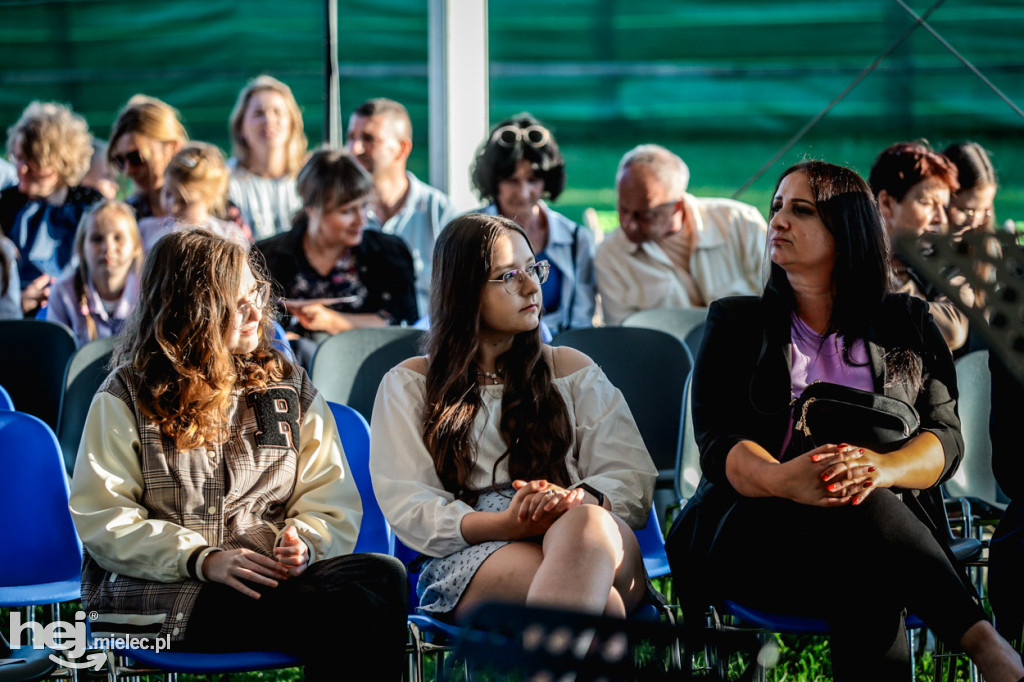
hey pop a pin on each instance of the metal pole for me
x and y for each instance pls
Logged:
(332, 87)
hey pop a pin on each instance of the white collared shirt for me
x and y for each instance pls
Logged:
(727, 260)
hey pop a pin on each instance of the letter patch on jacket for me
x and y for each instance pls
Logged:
(277, 416)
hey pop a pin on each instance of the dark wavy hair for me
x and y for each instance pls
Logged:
(861, 275)
(174, 339)
(904, 164)
(495, 162)
(535, 423)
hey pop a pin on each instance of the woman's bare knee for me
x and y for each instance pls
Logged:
(505, 576)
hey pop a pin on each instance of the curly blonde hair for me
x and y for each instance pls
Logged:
(198, 170)
(175, 337)
(297, 142)
(53, 136)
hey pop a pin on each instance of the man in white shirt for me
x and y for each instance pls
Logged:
(672, 249)
(380, 138)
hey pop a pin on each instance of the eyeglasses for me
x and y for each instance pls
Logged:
(510, 136)
(648, 216)
(132, 158)
(969, 217)
(513, 280)
(259, 299)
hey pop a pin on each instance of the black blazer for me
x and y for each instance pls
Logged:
(742, 390)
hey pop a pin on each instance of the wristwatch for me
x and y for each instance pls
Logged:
(593, 491)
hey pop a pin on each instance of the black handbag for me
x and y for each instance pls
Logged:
(832, 413)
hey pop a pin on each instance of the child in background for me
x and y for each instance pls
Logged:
(194, 195)
(96, 298)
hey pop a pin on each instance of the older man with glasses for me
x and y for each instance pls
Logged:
(673, 249)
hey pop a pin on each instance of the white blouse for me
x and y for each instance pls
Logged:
(607, 452)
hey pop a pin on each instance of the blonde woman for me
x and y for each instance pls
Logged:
(212, 496)
(96, 299)
(143, 139)
(268, 149)
(194, 194)
(51, 147)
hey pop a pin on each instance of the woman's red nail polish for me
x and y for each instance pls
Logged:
(871, 469)
(861, 451)
(868, 484)
(856, 500)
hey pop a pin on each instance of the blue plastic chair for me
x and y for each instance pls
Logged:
(281, 341)
(374, 533)
(36, 520)
(5, 400)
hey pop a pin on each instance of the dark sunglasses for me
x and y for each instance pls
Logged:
(134, 158)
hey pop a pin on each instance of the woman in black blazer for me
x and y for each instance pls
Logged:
(838, 531)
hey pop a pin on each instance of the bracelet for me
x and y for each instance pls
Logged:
(593, 491)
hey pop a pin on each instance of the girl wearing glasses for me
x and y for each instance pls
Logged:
(516, 169)
(52, 148)
(146, 134)
(515, 468)
(212, 495)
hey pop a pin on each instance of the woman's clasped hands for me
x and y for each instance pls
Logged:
(538, 504)
(835, 475)
(232, 567)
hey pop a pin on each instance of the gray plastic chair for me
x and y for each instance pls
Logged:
(347, 368)
(35, 355)
(974, 485)
(86, 371)
(650, 367)
(688, 468)
(686, 324)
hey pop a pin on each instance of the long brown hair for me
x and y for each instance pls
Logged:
(174, 339)
(534, 422)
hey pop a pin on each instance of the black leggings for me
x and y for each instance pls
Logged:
(858, 567)
(1005, 571)
(345, 617)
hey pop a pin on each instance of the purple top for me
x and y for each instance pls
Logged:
(817, 358)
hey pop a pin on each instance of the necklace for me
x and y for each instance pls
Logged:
(493, 376)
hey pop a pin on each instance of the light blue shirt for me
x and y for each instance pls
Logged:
(8, 174)
(578, 285)
(422, 217)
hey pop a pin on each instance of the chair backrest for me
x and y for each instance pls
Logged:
(35, 354)
(85, 374)
(650, 368)
(374, 534)
(41, 545)
(686, 324)
(652, 547)
(974, 478)
(347, 368)
(688, 468)
(5, 400)
(281, 341)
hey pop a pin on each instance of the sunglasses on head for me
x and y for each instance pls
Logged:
(133, 158)
(510, 136)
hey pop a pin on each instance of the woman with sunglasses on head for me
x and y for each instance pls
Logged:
(143, 139)
(516, 169)
(52, 148)
(515, 468)
(211, 493)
